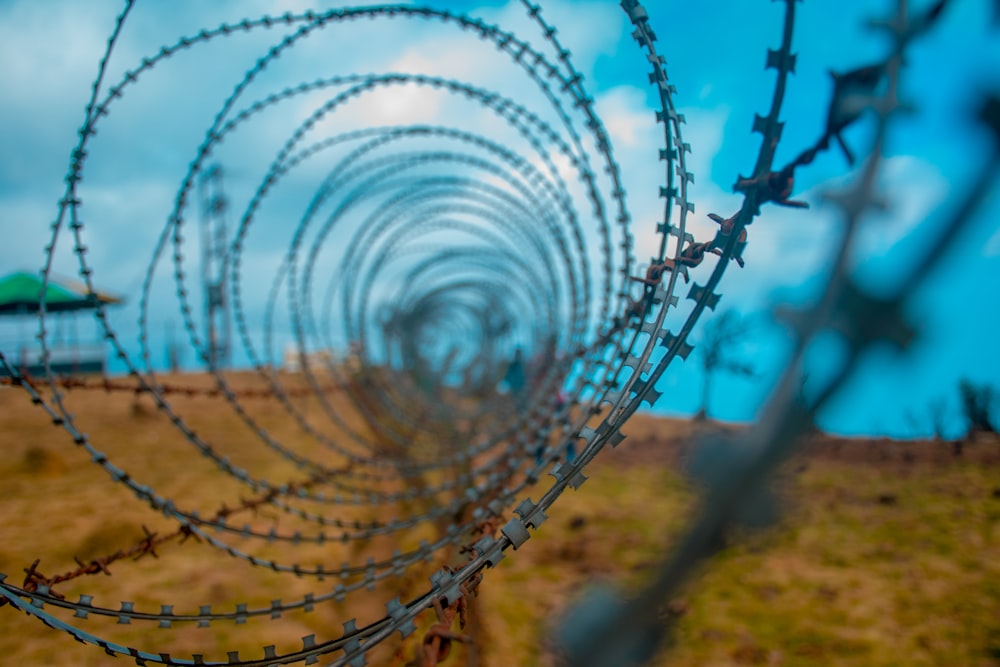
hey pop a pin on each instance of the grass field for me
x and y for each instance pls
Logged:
(887, 553)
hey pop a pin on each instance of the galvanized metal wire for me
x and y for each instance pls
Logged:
(439, 254)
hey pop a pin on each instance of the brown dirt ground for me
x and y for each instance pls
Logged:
(56, 504)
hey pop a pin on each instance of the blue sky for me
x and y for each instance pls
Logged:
(715, 53)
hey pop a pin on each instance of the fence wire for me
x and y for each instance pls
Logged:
(463, 263)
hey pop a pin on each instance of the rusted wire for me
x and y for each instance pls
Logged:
(109, 386)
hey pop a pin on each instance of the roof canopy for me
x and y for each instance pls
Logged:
(21, 293)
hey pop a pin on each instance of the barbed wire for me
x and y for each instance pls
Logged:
(456, 253)
(109, 385)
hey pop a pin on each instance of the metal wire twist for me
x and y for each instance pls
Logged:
(440, 254)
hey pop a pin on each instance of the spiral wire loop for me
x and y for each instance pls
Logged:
(500, 330)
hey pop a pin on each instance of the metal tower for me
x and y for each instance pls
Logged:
(214, 206)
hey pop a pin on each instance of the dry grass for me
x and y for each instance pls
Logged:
(887, 554)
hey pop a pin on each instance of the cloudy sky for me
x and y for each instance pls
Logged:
(715, 53)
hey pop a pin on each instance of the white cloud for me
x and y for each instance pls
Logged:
(992, 247)
(40, 72)
(637, 141)
(626, 117)
(588, 29)
(789, 247)
(912, 187)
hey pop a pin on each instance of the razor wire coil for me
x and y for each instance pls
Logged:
(458, 250)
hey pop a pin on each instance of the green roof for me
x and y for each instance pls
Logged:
(21, 293)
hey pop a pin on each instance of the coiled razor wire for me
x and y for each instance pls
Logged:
(439, 254)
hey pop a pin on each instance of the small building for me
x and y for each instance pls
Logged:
(22, 296)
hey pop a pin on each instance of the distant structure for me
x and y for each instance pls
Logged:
(173, 350)
(214, 237)
(22, 297)
(294, 361)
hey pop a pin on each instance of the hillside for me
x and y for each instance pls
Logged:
(887, 553)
